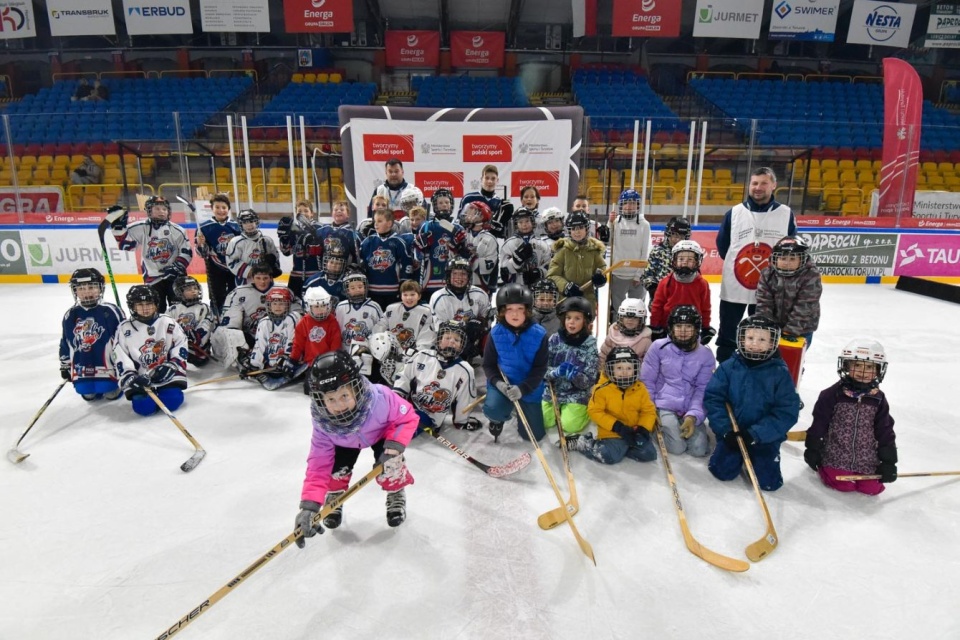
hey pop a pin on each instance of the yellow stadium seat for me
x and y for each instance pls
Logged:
(929, 167)
(28, 161)
(323, 78)
(336, 78)
(945, 167)
(723, 176)
(864, 165)
(297, 77)
(666, 175)
(309, 78)
(851, 209)
(845, 165)
(828, 163)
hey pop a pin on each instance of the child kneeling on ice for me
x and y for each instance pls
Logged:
(623, 412)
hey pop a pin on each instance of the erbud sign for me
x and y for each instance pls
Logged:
(318, 16)
(646, 18)
(728, 19)
(412, 48)
(17, 20)
(884, 23)
(807, 20)
(151, 17)
(81, 18)
(943, 30)
(477, 49)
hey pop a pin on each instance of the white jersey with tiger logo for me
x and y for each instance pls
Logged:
(142, 347)
(435, 389)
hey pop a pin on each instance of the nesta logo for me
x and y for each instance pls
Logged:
(546, 182)
(384, 146)
(488, 148)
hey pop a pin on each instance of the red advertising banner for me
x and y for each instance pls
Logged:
(32, 199)
(477, 48)
(646, 18)
(384, 146)
(902, 109)
(430, 181)
(546, 182)
(318, 16)
(487, 148)
(413, 48)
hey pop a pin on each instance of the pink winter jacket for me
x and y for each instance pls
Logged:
(390, 418)
(639, 343)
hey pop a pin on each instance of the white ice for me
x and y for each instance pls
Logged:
(103, 537)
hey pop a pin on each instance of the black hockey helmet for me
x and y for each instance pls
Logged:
(139, 294)
(445, 214)
(332, 371)
(577, 219)
(451, 326)
(247, 216)
(355, 274)
(85, 276)
(788, 246)
(685, 314)
(545, 295)
(576, 303)
(181, 285)
(622, 355)
(762, 323)
(458, 264)
(678, 225)
(150, 204)
(514, 293)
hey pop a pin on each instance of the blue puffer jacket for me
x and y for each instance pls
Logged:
(515, 352)
(763, 399)
(584, 357)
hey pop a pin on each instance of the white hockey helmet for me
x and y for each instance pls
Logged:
(862, 350)
(318, 297)
(411, 197)
(632, 308)
(384, 345)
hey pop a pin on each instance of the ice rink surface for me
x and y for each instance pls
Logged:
(103, 537)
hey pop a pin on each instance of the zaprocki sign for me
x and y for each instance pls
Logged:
(412, 48)
(852, 253)
(477, 48)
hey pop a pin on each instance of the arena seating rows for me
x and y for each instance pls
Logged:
(317, 102)
(466, 92)
(614, 98)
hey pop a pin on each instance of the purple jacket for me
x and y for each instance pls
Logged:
(677, 379)
(390, 417)
(851, 428)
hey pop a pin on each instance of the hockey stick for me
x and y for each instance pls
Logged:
(473, 405)
(621, 264)
(14, 455)
(797, 436)
(267, 557)
(235, 376)
(499, 471)
(552, 518)
(584, 545)
(697, 549)
(189, 204)
(900, 475)
(198, 455)
(101, 230)
(756, 551)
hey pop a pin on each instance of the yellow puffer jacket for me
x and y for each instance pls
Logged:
(632, 406)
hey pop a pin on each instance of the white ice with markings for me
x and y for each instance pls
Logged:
(103, 537)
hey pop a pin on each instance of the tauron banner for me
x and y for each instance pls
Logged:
(318, 16)
(250, 16)
(728, 19)
(449, 148)
(807, 20)
(477, 48)
(883, 23)
(156, 17)
(412, 48)
(81, 18)
(902, 110)
(943, 30)
(17, 20)
(646, 18)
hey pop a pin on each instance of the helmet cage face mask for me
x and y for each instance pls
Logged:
(852, 360)
(448, 328)
(622, 368)
(83, 279)
(685, 316)
(749, 332)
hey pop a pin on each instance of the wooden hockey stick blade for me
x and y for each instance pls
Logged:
(756, 551)
(584, 545)
(707, 555)
(552, 518)
(16, 456)
(928, 474)
(473, 405)
(797, 436)
(283, 545)
(199, 454)
(499, 471)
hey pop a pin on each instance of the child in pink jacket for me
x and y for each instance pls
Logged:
(629, 330)
(350, 414)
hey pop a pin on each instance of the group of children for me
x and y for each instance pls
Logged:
(352, 333)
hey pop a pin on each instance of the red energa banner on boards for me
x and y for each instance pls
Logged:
(646, 18)
(412, 48)
(902, 110)
(317, 16)
(477, 48)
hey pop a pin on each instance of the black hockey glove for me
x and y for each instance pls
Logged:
(598, 279)
(138, 385)
(284, 227)
(572, 290)
(813, 454)
(117, 217)
(470, 424)
(657, 332)
(174, 271)
(651, 291)
(304, 522)
(523, 253)
(163, 374)
(888, 463)
(603, 233)
(627, 434)
(731, 437)
(706, 335)
(65, 371)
